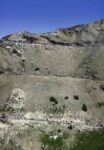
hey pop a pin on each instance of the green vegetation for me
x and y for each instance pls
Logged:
(84, 108)
(55, 142)
(70, 127)
(100, 104)
(89, 141)
(37, 69)
(2, 46)
(76, 97)
(52, 144)
(5, 108)
(54, 100)
(102, 87)
(86, 140)
(57, 105)
(66, 97)
(57, 109)
(60, 140)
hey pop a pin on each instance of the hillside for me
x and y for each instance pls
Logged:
(53, 82)
(41, 54)
(81, 35)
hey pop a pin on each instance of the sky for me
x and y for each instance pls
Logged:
(39, 16)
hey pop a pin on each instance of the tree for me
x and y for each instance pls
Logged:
(84, 107)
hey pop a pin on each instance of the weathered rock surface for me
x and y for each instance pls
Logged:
(17, 99)
(58, 72)
(56, 79)
(88, 34)
(76, 52)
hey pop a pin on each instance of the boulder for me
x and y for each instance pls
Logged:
(17, 99)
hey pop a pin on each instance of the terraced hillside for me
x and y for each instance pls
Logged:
(52, 80)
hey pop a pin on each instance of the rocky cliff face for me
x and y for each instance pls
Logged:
(58, 72)
(75, 52)
(81, 35)
(53, 82)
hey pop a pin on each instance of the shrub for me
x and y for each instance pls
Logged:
(54, 100)
(66, 97)
(93, 140)
(6, 108)
(84, 107)
(102, 87)
(100, 104)
(70, 127)
(37, 69)
(51, 143)
(76, 97)
(57, 109)
(59, 130)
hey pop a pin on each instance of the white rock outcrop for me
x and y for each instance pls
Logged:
(17, 99)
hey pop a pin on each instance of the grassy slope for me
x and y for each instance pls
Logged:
(89, 141)
(93, 140)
